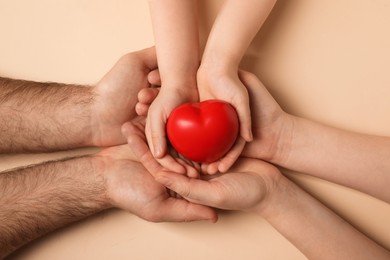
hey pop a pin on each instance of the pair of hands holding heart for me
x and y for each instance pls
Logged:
(200, 132)
(204, 132)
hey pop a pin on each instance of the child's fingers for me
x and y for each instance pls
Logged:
(190, 171)
(155, 133)
(169, 163)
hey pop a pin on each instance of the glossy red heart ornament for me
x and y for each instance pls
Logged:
(203, 132)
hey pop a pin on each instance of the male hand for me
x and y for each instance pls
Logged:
(116, 96)
(131, 187)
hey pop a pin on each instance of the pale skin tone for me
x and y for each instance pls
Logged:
(176, 36)
(38, 199)
(79, 187)
(177, 45)
(302, 145)
(256, 186)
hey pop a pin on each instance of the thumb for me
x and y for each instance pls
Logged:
(241, 104)
(155, 133)
(179, 210)
(136, 141)
(194, 190)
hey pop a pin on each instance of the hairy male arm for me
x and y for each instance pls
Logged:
(37, 117)
(38, 199)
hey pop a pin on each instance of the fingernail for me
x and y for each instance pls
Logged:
(157, 152)
(249, 136)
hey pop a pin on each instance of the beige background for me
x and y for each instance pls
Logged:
(326, 60)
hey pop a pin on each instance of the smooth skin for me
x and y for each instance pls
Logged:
(256, 186)
(175, 29)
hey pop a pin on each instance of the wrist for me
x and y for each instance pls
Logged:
(99, 165)
(179, 81)
(276, 200)
(219, 61)
(285, 135)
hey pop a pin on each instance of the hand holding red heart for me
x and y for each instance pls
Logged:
(203, 132)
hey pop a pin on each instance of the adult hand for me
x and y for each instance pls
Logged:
(135, 133)
(159, 111)
(130, 187)
(248, 186)
(272, 127)
(151, 104)
(116, 96)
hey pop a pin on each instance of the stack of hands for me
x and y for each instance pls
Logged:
(126, 112)
(248, 186)
(41, 117)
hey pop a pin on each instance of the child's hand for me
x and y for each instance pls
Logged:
(157, 106)
(228, 87)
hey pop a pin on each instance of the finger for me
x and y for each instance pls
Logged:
(147, 95)
(169, 163)
(203, 168)
(244, 115)
(141, 109)
(231, 157)
(154, 77)
(155, 129)
(137, 142)
(190, 170)
(212, 168)
(193, 190)
(179, 210)
(149, 57)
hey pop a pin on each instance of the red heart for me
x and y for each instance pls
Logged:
(203, 132)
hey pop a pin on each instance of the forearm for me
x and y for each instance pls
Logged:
(316, 230)
(42, 198)
(235, 27)
(176, 36)
(43, 116)
(354, 160)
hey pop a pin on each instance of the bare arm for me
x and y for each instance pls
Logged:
(256, 186)
(175, 28)
(39, 199)
(314, 229)
(351, 159)
(232, 32)
(176, 36)
(38, 116)
(43, 116)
